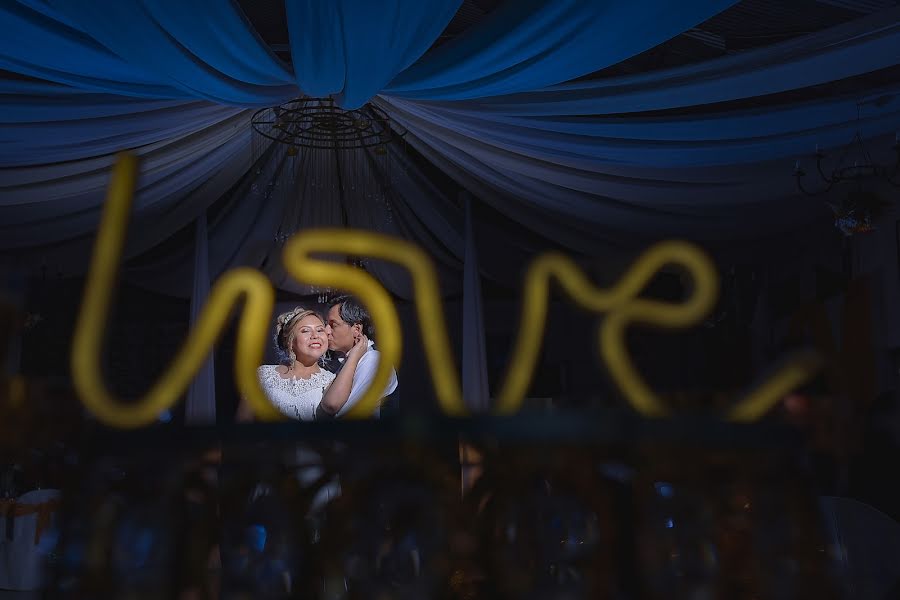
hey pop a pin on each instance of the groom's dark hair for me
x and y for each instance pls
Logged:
(353, 312)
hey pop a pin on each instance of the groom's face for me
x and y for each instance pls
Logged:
(340, 333)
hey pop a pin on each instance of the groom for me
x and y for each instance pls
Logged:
(347, 320)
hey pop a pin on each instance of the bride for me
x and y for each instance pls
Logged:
(297, 386)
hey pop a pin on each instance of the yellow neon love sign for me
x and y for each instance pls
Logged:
(621, 305)
(259, 299)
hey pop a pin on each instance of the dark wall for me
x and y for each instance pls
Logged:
(144, 330)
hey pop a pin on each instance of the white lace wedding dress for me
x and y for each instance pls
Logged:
(295, 398)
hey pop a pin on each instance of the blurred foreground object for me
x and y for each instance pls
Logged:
(578, 507)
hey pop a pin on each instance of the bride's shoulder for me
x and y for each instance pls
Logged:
(269, 370)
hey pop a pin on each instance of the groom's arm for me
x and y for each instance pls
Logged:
(362, 379)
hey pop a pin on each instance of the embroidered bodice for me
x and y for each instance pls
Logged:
(295, 398)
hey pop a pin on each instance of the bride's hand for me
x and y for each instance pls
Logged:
(360, 347)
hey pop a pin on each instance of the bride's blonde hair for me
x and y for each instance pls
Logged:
(284, 330)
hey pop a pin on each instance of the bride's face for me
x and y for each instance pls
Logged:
(310, 340)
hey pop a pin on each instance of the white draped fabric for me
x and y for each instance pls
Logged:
(56, 207)
(200, 408)
(474, 349)
(866, 561)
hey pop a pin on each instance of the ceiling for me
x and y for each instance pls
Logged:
(746, 25)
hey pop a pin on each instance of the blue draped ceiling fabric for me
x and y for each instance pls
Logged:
(529, 44)
(353, 49)
(201, 400)
(496, 107)
(154, 49)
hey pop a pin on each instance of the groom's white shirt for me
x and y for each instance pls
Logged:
(362, 379)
